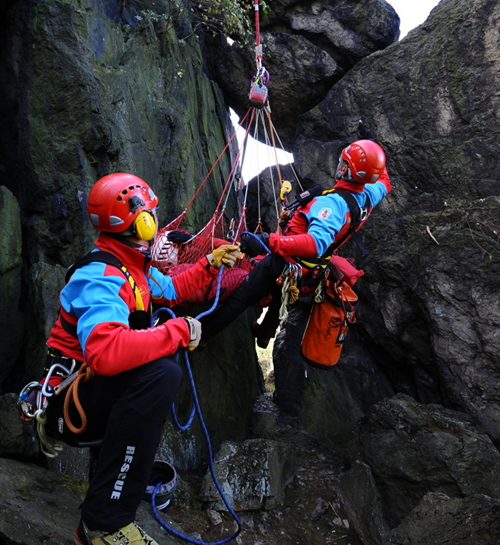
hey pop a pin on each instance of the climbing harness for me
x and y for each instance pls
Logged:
(318, 267)
(101, 256)
(61, 372)
(358, 216)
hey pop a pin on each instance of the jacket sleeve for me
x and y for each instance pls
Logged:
(379, 190)
(302, 245)
(172, 290)
(109, 346)
(113, 348)
(386, 181)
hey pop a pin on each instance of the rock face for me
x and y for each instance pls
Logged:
(32, 496)
(93, 87)
(254, 475)
(413, 449)
(308, 46)
(460, 521)
(11, 322)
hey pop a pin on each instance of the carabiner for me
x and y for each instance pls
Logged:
(47, 389)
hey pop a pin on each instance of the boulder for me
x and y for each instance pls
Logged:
(439, 519)
(413, 449)
(307, 48)
(252, 475)
(360, 498)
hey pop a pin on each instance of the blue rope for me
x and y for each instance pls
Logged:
(196, 409)
(178, 425)
(247, 233)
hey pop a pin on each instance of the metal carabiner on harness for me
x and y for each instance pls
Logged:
(319, 292)
(47, 389)
(26, 407)
(33, 403)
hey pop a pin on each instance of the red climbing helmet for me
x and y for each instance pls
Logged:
(116, 200)
(365, 160)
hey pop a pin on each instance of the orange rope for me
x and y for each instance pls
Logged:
(85, 374)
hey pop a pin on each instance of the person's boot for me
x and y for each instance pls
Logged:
(128, 534)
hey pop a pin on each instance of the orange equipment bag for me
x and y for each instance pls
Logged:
(328, 325)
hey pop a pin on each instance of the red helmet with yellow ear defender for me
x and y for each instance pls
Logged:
(366, 160)
(117, 200)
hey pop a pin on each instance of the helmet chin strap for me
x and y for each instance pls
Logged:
(131, 234)
(343, 171)
(126, 238)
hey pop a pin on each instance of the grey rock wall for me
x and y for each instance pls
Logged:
(11, 319)
(428, 300)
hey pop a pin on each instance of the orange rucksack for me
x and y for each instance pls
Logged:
(328, 325)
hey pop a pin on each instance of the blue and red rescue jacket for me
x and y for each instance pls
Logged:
(318, 226)
(97, 302)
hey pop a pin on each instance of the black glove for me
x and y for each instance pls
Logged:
(179, 237)
(363, 132)
(252, 244)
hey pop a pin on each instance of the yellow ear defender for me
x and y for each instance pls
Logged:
(144, 226)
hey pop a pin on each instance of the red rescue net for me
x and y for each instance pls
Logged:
(176, 258)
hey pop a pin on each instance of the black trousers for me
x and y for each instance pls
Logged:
(127, 412)
(260, 282)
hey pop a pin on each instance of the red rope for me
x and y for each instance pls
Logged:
(229, 178)
(258, 46)
(215, 164)
(257, 24)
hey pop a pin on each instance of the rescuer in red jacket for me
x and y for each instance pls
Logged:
(104, 322)
(310, 238)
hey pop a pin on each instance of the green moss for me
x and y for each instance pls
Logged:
(48, 485)
(329, 412)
